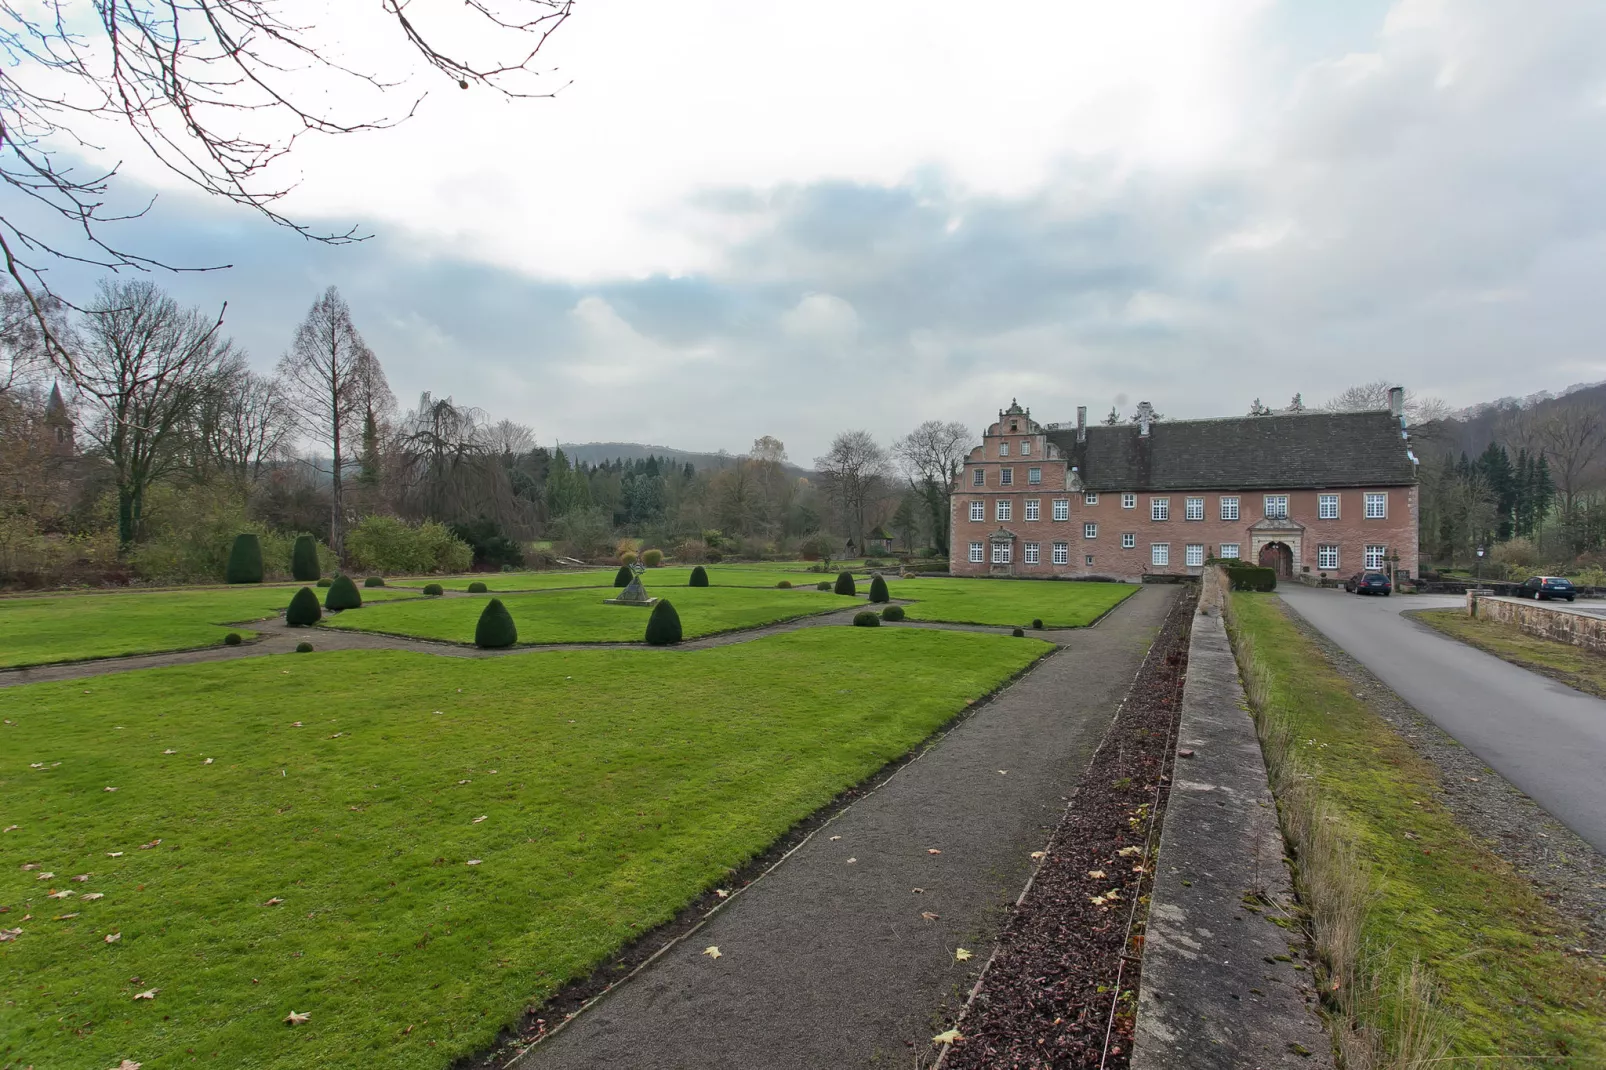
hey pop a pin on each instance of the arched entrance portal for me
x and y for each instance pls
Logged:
(1277, 555)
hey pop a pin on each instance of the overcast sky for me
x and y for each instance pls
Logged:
(744, 218)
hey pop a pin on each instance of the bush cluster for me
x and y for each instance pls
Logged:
(892, 613)
(434, 590)
(823, 585)
(477, 587)
(663, 627)
(232, 639)
(325, 582)
(490, 547)
(386, 544)
(245, 560)
(844, 583)
(699, 577)
(866, 619)
(878, 590)
(343, 594)
(652, 558)
(304, 564)
(785, 584)
(374, 581)
(304, 610)
(495, 629)
(1251, 578)
(627, 558)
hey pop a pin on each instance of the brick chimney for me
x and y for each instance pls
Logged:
(1397, 402)
(1081, 423)
(1145, 417)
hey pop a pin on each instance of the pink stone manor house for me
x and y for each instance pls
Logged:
(1317, 492)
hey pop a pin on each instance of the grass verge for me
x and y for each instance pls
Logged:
(599, 791)
(1434, 949)
(1009, 602)
(657, 580)
(1574, 666)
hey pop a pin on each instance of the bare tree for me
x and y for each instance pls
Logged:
(23, 357)
(931, 457)
(509, 440)
(1573, 437)
(248, 421)
(1375, 395)
(852, 471)
(143, 368)
(331, 378)
(216, 91)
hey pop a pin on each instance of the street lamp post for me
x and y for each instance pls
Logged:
(1479, 567)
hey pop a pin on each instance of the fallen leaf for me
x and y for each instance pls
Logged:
(337, 735)
(949, 1037)
(932, 851)
(477, 820)
(1039, 854)
(296, 724)
(722, 893)
(711, 951)
(92, 896)
(36, 765)
(297, 1018)
(207, 762)
(1003, 772)
(170, 750)
(1130, 851)
(9, 934)
(26, 866)
(112, 938)
(275, 901)
(961, 955)
(1096, 874)
(917, 891)
(81, 878)
(44, 876)
(127, 1064)
(149, 993)
(472, 862)
(836, 837)
(852, 860)
(928, 915)
(114, 854)
(465, 782)
(148, 846)
(64, 917)
(65, 893)
(108, 789)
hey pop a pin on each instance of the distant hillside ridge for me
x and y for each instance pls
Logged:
(1471, 429)
(598, 452)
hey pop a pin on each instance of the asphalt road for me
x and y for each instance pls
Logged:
(1543, 737)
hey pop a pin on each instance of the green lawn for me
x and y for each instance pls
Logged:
(1572, 665)
(1496, 950)
(654, 578)
(614, 787)
(74, 627)
(582, 617)
(1007, 602)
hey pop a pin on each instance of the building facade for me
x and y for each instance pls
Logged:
(1324, 493)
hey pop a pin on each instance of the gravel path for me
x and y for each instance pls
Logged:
(829, 960)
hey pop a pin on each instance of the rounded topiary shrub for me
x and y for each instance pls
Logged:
(434, 590)
(652, 558)
(374, 581)
(304, 559)
(1018, 632)
(823, 585)
(699, 577)
(496, 628)
(785, 585)
(663, 627)
(623, 577)
(245, 560)
(325, 583)
(477, 588)
(844, 584)
(867, 619)
(878, 590)
(1037, 622)
(343, 594)
(232, 639)
(304, 609)
(628, 557)
(303, 648)
(892, 613)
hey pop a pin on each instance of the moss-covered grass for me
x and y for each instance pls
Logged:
(75, 627)
(582, 617)
(1574, 666)
(1497, 953)
(599, 791)
(1009, 602)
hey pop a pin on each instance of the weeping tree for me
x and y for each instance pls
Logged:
(453, 466)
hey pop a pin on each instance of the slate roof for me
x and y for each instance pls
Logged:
(1286, 451)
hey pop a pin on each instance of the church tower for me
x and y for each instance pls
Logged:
(59, 425)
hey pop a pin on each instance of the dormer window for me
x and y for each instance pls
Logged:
(1003, 449)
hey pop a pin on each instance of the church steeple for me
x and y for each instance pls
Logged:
(59, 424)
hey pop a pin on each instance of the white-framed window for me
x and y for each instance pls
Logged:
(1062, 553)
(1003, 509)
(1327, 557)
(1034, 507)
(1090, 530)
(1374, 556)
(1002, 551)
(1006, 477)
(1062, 508)
(1003, 449)
(1034, 475)
(1229, 551)
(1159, 508)
(1031, 553)
(1229, 508)
(1195, 554)
(1128, 540)
(1195, 508)
(975, 554)
(1377, 506)
(1160, 553)
(1090, 498)
(1327, 507)
(1088, 560)
(978, 512)
(1129, 501)
(1025, 447)
(1277, 506)
(978, 477)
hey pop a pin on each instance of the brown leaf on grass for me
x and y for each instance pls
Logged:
(26, 866)
(148, 846)
(477, 820)
(170, 750)
(127, 1064)
(275, 901)
(962, 955)
(472, 862)
(9, 934)
(297, 1018)
(114, 854)
(92, 896)
(112, 938)
(149, 993)
(108, 789)
(65, 893)
(207, 762)
(296, 724)
(44, 876)
(82, 877)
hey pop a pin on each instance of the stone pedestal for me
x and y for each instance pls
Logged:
(633, 595)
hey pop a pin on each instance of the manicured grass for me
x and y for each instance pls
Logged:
(654, 578)
(1009, 602)
(1437, 895)
(582, 617)
(1574, 666)
(74, 627)
(615, 787)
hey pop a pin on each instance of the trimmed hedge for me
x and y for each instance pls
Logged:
(304, 559)
(878, 590)
(434, 590)
(699, 577)
(844, 583)
(232, 639)
(663, 627)
(304, 609)
(477, 587)
(496, 628)
(1252, 578)
(623, 577)
(343, 594)
(892, 613)
(325, 582)
(303, 648)
(866, 619)
(652, 558)
(245, 560)
(785, 585)
(628, 557)
(823, 585)
(1037, 623)
(374, 581)
(1018, 633)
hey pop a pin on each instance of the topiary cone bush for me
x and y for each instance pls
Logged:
(866, 619)
(699, 577)
(652, 558)
(892, 613)
(374, 581)
(878, 590)
(785, 585)
(343, 594)
(663, 627)
(844, 584)
(245, 560)
(477, 588)
(623, 577)
(304, 559)
(304, 610)
(434, 590)
(496, 628)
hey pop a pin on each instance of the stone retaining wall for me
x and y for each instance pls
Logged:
(1545, 621)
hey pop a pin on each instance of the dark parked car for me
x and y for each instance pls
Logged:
(1369, 583)
(1540, 588)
